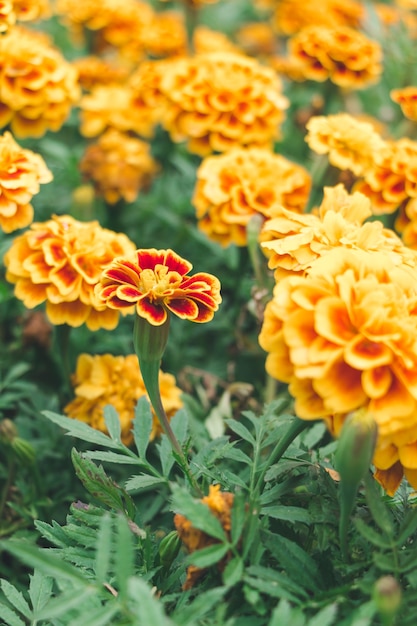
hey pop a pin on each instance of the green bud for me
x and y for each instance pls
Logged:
(387, 596)
(24, 451)
(169, 548)
(8, 431)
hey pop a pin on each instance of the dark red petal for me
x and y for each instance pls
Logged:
(115, 303)
(149, 258)
(175, 263)
(185, 308)
(122, 272)
(204, 315)
(128, 293)
(153, 312)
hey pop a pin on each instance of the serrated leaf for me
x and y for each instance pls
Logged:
(284, 613)
(97, 617)
(277, 584)
(325, 617)
(191, 614)
(15, 598)
(233, 572)
(371, 535)
(241, 430)
(112, 421)
(80, 430)
(166, 455)
(142, 426)
(124, 555)
(238, 517)
(197, 513)
(9, 617)
(144, 606)
(53, 533)
(40, 590)
(64, 602)
(142, 482)
(104, 547)
(235, 454)
(379, 510)
(408, 527)
(288, 513)
(208, 556)
(114, 457)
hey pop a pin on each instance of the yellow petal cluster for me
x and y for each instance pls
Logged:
(60, 262)
(106, 379)
(294, 242)
(119, 166)
(12, 11)
(37, 86)
(339, 54)
(21, 173)
(350, 143)
(290, 16)
(233, 187)
(407, 99)
(222, 100)
(93, 71)
(7, 15)
(344, 336)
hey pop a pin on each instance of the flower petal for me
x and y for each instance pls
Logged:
(154, 312)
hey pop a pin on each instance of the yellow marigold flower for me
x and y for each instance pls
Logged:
(206, 40)
(37, 86)
(147, 98)
(349, 142)
(119, 166)
(93, 71)
(291, 16)
(106, 379)
(344, 336)
(407, 99)
(166, 35)
(220, 504)
(233, 187)
(155, 283)
(340, 54)
(59, 262)
(21, 173)
(256, 38)
(7, 15)
(392, 180)
(293, 242)
(31, 10)
(222, 100)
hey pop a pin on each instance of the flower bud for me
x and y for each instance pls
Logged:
(169, 548)
(24, 451)
(387, 597)
(8, 431)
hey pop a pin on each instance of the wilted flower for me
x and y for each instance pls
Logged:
(407, 99)
(291, 16)
(233, 187)
(156, 283)
(341, 54)
(344, 336)
(21, 173)
(349, 142)
(37, 86)
(120, 166)
(60, 261)
(220, 504)
(222, 100)
(93, 71)
(106, 379)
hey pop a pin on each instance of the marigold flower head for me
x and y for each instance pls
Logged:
(166, 35)
(93, 71)
(256, 38)
(233, 187)
(106, 379)
(341, 54)
(349, 142)
(37, 86)
(120, 166)
(21, 173)
(156, 283)
(59, 262)
(407, 99)
(148, 100)
(12, 11)
(294, 242)
(290, 16)
(7, 15)
(222, 100)
(344, 336)
(220, 504)
(206, 40)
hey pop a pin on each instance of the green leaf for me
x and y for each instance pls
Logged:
(288, 513)
(166, 455)
(371, 535)
(78, 429)
(9, 617)
(104, 547)
(15, 598)
(142, 482)
(233, 572)
(408, 527)
(191, 614)
(144, 606)
(325, 617)
(378, 508)
(238, 517)
(241, 430)
(112, 421)
(198, 513)
(124, 556)
(208, 556)
(142, 425)
(97, 617)
(285, 614)
(63, 603)
(114, 457)
(40, 590)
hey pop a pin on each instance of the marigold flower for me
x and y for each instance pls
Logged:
(206, 40)
(31, 10)
(148, 100)
(350, 143)
(407, 99)
(37, 86)
(7, 15)
(233, 187)
(293, 242)
(156, 283)
(220, 504)
(106, 379)
(166, 35)
(119, 166)
(256, 38)
(344, 336)
(222, 100)
(291, 16)
(59, 262)
(340, 54)
(93, 71)
(21, 173)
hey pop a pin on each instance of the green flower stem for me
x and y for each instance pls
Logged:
(258, 261)
(191, 21)
(62, 335)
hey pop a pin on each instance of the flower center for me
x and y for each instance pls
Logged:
(160, 282)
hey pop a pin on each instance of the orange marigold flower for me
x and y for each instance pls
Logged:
(106, 379)
(220, 504)
(93, 71)
(256, 38)
(293, 242)
(206, 40)
(21, 173)
(37, 86)
(166, 35)
(120, 166)
(31, 10)
(59, 262)
(7, 15)
(349, 142)
(291, 16)
(407, 99)
(148, 101)
(156, 283)
(222, 100)
(344, 336)
(340, 54)
(233, 187)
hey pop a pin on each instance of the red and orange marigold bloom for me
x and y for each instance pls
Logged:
(155, 283)
(222, 100)
(233, 187)
(339, 54)
(21, 173)
(60, 262)
(119, 166)
(344, 336)
(37, 86)
(407, 99)
(106, 379)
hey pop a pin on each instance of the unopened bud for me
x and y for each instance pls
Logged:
(169, 548)
(24, 451)
(387, 596)
(356, 447)
(8, 431)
